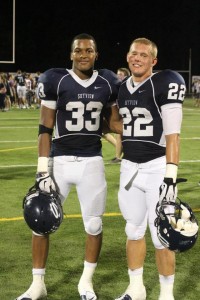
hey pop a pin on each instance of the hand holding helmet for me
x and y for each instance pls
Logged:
(168, 188)
(44, 182)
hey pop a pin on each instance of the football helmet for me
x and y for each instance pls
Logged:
(42, 211)
(177, 227)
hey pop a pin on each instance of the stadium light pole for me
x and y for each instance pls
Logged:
(190, 67)
(13, 39)
(13, 31)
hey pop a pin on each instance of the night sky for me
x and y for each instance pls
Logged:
(44, 30)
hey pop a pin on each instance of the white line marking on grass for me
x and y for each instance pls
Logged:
(106, 163)
(190, 161)
(192, 138)
(182, 138)
(188, 126)
(13, 119)
(17, 166)
(28, 141)
(192, 111)
(14, 149)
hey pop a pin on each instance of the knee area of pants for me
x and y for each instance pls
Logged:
(154, 237)
(134, 232)
(157, 244)
(93, 226)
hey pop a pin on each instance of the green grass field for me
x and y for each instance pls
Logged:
(18, 159)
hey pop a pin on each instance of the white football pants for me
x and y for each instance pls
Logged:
(88, 175)
(138, 196)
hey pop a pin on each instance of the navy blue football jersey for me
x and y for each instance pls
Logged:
(143, 138)
(80, 106)
(20, 79)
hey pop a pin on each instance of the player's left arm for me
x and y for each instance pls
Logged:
(171, 100)
(172, 148)
(172, 119)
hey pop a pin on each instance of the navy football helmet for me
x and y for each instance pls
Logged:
(42, 211)
(177, 227)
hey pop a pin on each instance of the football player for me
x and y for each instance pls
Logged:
(21, 89)
(151, 107)
(74, 101)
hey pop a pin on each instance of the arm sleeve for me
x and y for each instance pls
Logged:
(172, 118)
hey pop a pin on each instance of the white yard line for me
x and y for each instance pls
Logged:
(28, 141)
(106, 163)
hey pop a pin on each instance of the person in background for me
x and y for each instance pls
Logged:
(197, 86)
(29, 82)
(37, 99)
(7, 101)
(121, 74)
(2, 93)
(13, 96)
(151, 107)
(74, 101)
(21, 89)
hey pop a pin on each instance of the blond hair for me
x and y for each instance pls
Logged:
(145, 41)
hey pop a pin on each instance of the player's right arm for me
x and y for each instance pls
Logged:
(47, 120)
(115, 120)
(46, 125)
(47, 95)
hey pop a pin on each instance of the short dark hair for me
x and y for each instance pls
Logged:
(84, 36)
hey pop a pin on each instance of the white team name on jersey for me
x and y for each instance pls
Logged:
(131, 102)
(85, 96)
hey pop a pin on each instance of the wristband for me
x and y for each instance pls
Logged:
(42, 166)
(171, 171)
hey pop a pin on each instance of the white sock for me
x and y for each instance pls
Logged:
(136, 281)
(38, 274)
(88, 271)
(166, 284)
(136, 276)
(85, 282)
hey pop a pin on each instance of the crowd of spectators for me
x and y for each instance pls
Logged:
(18, 90)
(196, 92)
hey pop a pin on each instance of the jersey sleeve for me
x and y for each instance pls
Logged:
(46, 86)
(170, 86)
